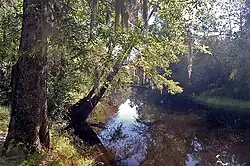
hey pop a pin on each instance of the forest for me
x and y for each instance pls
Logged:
(68, 66)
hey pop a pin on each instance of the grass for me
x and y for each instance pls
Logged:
(61, 153)
(4, 118)
(209, 99)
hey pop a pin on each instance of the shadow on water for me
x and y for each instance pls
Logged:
(157, 129)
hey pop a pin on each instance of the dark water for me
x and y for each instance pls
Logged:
(145, 133)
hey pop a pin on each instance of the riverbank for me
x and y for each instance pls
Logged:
(212, 100)
(62, 152)
(189, 130)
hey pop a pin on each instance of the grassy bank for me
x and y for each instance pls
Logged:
(212, 100)
(61, 153)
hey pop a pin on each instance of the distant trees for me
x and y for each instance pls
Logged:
(226, 35)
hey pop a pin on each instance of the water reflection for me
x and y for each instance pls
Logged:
(121, 136)
(141, 134)
(127, 111)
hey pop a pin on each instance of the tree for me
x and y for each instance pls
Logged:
(99, 47)
(29, 122)
(132, 36)
(9, 41)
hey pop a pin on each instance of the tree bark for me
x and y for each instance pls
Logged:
(82, 109)
(29, 122)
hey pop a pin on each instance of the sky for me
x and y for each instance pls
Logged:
(222, 8)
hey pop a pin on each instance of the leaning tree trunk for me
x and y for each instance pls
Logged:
(29, 122)
(82, 109)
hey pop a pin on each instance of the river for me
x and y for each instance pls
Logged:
(145, 131)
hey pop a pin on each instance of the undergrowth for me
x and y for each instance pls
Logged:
(213, 100)
(61, 153)
(4, 118)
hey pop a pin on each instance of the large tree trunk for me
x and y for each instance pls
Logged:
(29, 122)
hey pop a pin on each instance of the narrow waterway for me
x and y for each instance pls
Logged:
(145, 133)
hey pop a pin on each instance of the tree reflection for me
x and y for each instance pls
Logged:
(185, 139)
(161, 136)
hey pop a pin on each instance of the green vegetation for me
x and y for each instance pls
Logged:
(4, 118)
(62, 153)
(212, 99)
(101, 113)
(84, 50)
(60, 59)
(226, 65)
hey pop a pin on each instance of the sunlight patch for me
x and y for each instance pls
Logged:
(127, 111)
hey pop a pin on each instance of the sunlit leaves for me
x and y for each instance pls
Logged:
(204, 49)
(82, 53)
